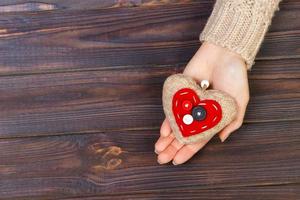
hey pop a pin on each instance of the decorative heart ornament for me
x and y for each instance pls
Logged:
(194, 113)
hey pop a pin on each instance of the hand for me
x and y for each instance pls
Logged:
(226, 71)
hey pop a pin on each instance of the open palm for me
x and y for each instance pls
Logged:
(225, 71)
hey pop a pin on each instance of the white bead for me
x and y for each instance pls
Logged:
(187, 119)
(204, 84)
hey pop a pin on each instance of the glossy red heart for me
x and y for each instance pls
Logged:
(184, 101)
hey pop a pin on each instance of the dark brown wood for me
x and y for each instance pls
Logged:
(66, 103)
(246, 193)
(80, 104)
(124, 162)
(9, 6)
(52, 41)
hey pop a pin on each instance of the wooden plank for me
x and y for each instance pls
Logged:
(278, 192)
(46, 5)
(93, 101)
(9, 6)
(275, 69)
(60, 40)
(123, 162)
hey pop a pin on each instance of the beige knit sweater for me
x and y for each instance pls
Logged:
(240, 25)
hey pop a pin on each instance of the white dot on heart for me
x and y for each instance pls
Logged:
(187, 119)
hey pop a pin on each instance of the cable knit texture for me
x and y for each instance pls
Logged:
(240, 25)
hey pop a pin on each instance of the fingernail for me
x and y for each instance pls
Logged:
(223, 139)
(156, 151)
(174, 163)
(159, 162)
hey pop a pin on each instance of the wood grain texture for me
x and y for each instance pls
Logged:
(248, 193)
(80, 104)
(278, 192)
(110, 163)
(15, 5)
(52, 40)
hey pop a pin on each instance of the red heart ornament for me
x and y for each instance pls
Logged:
(187, 96)
(182, 96)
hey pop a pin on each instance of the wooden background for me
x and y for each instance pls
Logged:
(80, 104)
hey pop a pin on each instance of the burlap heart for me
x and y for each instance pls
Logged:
(220, 109)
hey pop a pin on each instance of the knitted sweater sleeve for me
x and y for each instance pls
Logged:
(240, 25)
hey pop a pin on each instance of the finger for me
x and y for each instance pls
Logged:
(168, 154)
(233, 126)
(165, 128)
(163, 142)
(188, 151)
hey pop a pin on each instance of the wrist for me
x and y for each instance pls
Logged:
(217, 56)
